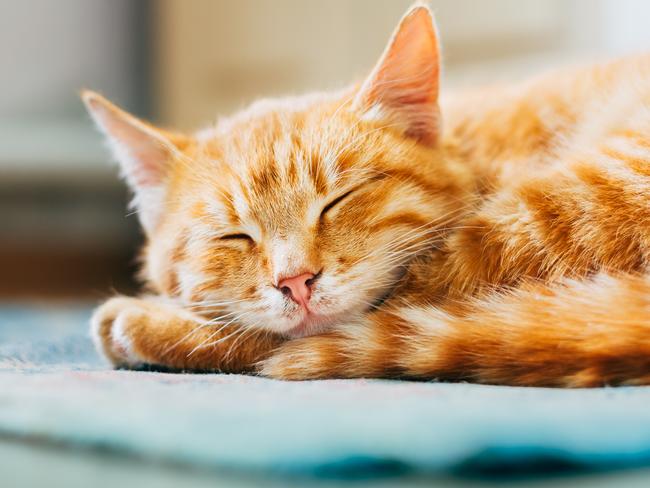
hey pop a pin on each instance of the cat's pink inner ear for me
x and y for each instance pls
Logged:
(403, 87)
(145, 155)
(142, 151)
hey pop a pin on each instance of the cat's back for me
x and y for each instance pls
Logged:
(554, 113)
(566, 165)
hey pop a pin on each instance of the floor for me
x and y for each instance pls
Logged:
(67, 419)
(70, 468)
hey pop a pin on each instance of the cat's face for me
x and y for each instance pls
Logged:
(300, 213)
(292, 220)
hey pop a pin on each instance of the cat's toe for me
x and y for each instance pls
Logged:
(110, 330)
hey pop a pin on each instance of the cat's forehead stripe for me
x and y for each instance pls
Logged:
(239, 201)
(278, 164)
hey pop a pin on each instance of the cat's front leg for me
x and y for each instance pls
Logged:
(366, 348)
(132, 332)
(317, 357)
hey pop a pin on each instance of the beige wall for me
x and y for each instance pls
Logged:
(214, 56)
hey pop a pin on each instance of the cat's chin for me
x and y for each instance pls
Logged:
(311, 324)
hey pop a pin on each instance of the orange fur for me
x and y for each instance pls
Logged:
(508, 246)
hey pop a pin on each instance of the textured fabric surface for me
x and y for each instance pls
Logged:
(54, 388)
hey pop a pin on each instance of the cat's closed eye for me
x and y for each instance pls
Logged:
(236, 237)
(335, 202)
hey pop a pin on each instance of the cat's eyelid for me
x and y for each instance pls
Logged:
(240, 232)
(236, 236)
(335, 201)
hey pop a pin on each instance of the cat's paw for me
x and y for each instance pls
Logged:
(309, 358)
(112, 328)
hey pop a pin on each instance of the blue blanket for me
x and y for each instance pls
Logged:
(53, 387)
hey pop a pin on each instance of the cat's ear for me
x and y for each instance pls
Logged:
(144, 153)
(403, 87)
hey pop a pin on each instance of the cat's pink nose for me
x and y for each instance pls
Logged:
(297, 287)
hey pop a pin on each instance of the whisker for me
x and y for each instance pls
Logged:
(199, 327)
(203, 344)
(246, 330)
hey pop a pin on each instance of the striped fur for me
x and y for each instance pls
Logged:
(508, 246)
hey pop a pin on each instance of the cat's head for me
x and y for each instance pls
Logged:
(301, 212)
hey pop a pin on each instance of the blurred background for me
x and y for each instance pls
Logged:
(64, 231)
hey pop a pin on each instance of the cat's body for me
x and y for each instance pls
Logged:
(349, 235)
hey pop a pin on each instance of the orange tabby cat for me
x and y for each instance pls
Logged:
(349, 235)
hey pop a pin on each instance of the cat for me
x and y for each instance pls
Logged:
(353, 234)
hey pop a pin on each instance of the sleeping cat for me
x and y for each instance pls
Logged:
(354, 234)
